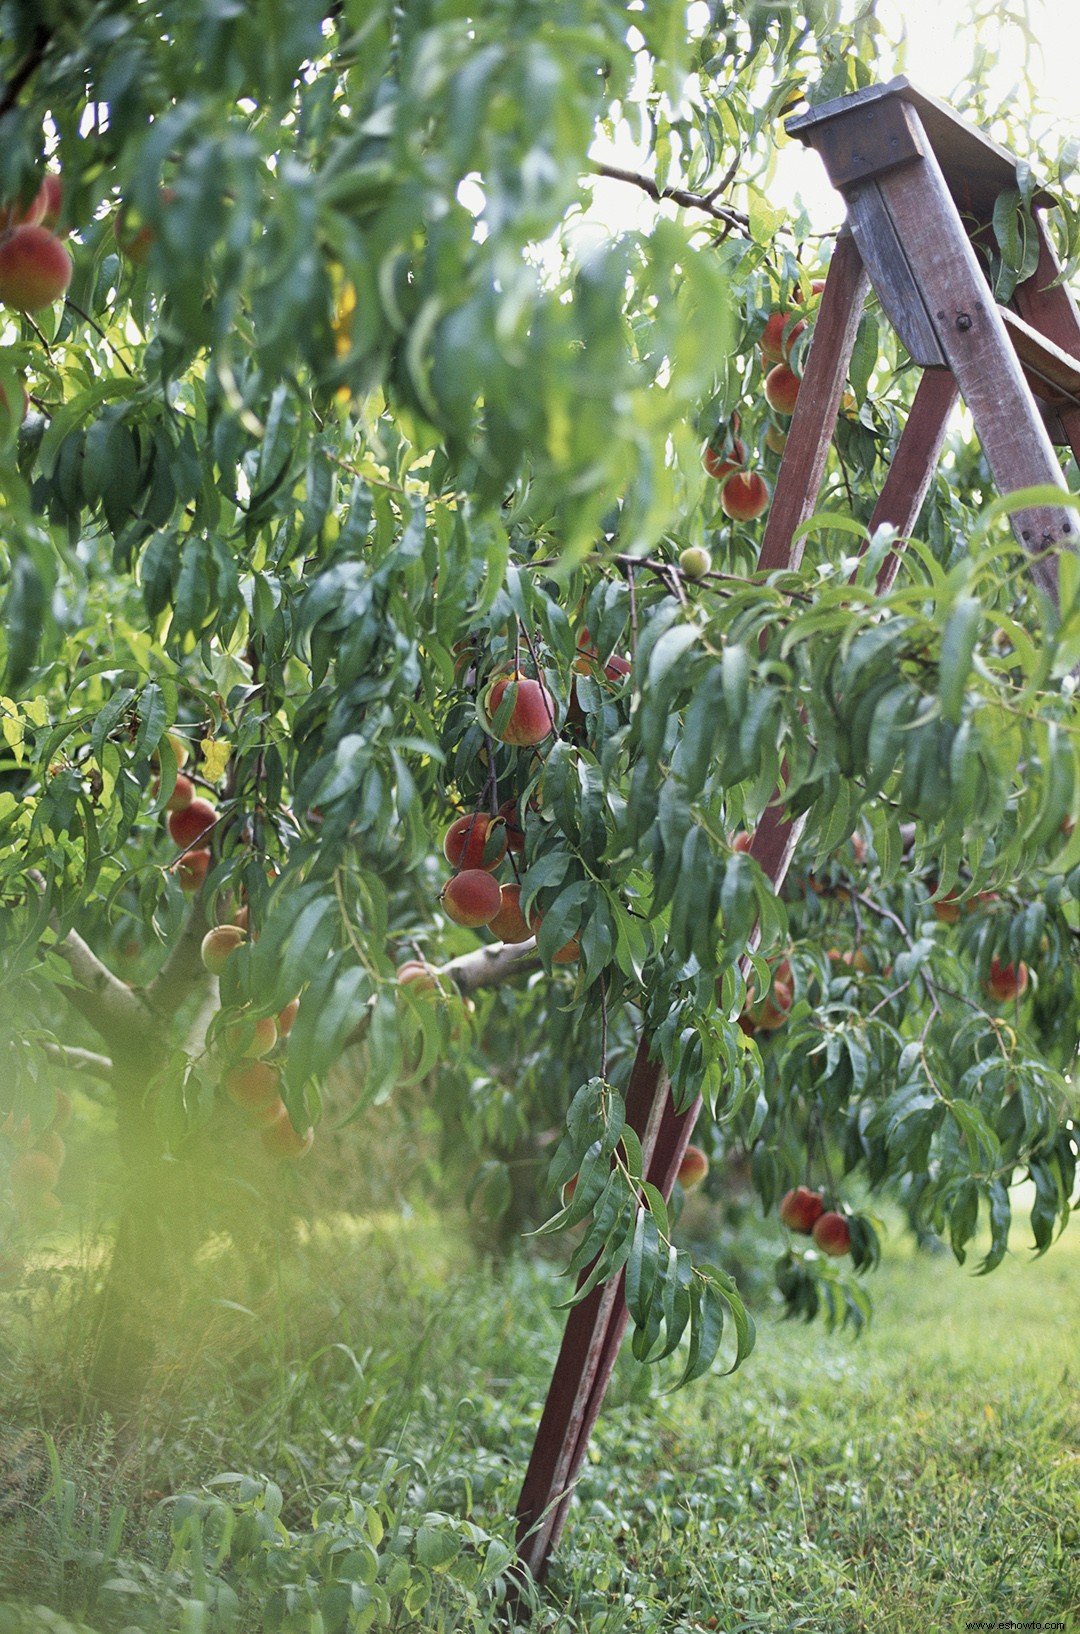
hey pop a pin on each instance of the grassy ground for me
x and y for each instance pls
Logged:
(380, 1406)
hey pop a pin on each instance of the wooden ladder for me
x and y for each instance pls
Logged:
(920, 187)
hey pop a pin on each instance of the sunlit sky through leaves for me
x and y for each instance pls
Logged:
(1028, 53)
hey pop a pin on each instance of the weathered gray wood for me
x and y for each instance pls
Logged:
(868, 139)
(972, 336)
(891, 275)
(1051, 371)
(1049, 306)
(976, 169)
(817, 406)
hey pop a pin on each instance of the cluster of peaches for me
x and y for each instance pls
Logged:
(744, 494)
(35, 267)
(804, 1211)
(521, 712)
(34, 1173)
(254, 1084)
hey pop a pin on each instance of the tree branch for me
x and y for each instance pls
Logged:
(111, 1007)
(97, 1066)
(183, 970)
(491, 966)
(732, 219)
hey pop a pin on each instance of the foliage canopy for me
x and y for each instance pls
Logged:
(354, 405)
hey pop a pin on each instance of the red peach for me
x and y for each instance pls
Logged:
(532, 713)
(471, 898)
(775, 344)
(192, 822)
(252, 1038)
(1005, 982)
(720, 465)
(831, 1234)
(509, 924)
(218, 943)
(287, 1017)
(253, 1087)
(191, 869)
(693, 1168)
(281, 1139)
(801, 1209)
(35, 268)
(475, 841)
(782, 389)
(744, 496)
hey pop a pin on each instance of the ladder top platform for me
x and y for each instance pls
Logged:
(857, 137)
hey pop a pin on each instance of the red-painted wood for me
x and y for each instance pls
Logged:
(816, 406)
(913, 464)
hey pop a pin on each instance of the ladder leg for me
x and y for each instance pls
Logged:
(979, 353)
(911, 470)
(816, 406)
(586, 1357)
(1049, 306)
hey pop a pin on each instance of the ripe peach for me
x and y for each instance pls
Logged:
(475, 841)
(769, 1013)
(532, 713)
(191, 869)
(775, 344)
(192, 822)
(775, 439)
(831, 1234)
(35, 268)
(509, 924)
(182, 795)
(1005, 982)
(471, 898)
(253, 1087)
(719, 464)
(801, 1209)
(287, 1017)
(693, 1168)
(782, 389)
(282, 1140)
(252, 1038)
(419, 974)
(218, 943)
(854, 958)
(515, 834)
(744, 496)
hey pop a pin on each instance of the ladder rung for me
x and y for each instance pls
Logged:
(1055, 371)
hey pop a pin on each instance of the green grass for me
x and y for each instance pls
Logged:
(921, 1477)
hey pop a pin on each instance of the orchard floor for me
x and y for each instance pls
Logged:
(923, 1477)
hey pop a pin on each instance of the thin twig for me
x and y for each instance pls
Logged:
(732, 219)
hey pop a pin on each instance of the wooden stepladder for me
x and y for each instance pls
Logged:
(920, 187)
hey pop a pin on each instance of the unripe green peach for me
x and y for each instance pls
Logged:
(695, 561)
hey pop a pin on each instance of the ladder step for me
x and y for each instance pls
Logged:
(1054, 373)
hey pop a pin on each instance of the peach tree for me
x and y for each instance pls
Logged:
(359, 436)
